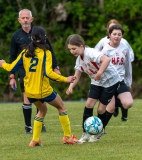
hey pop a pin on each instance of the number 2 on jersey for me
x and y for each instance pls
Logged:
(34, 62)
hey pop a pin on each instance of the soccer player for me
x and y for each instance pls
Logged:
(37, 62)
(120, 58)
(20, 37)
(104, 80)
(99, 47)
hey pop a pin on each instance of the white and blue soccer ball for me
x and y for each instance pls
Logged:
(93, 125)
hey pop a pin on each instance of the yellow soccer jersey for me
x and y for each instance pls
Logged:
(38, 72)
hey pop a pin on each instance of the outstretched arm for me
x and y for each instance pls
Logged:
(77, 75)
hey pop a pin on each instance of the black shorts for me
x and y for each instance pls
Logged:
(21, 75)
(122, 88)
(104, 95)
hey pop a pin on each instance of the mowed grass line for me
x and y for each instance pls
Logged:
(123, 141)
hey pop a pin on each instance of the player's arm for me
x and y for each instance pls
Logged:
(14, 66)
(54, 60)
(105, 62)
(48, 71)
(72, 85)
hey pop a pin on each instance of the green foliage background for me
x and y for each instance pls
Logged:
(85, 17)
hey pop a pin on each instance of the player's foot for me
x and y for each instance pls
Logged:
(95, 138)
(28, 130)
(85, 137)
(35, 144)
(71, 140)
(116, 112)
(123, 119)
(43, 128)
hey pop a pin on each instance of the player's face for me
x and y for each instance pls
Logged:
(25, 19)
(115, 37)
(75, 50)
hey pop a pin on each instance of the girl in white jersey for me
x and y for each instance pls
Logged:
(120, 57)
(99, 47)
(104, 80)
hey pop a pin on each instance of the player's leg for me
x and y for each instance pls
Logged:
(43, 125)
(127, 102)
(38, 121)
(64, 119)
(125, 97)
(93, 96)
(117, 105)
(27, 112)
(109, 110)
(107, 98)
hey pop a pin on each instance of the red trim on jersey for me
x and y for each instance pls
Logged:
(95, 65)
(92, 71)
(82, 58)
(82, 69)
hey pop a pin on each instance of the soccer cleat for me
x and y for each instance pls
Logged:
(43, 128)
(123, 119)
(71, 140)
(95, 138)
(28, 130)
(85, 137)
(116, 112)
(35, 144)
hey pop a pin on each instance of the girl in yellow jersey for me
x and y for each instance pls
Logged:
(37, 62)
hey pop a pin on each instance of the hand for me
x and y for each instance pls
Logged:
(69, 91)
(13, 84)
(71, 79)
(97, 76)
(57, 70)
(1, 62)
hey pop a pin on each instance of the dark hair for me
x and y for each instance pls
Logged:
(75, 39)
(38, 36)
(117, 27)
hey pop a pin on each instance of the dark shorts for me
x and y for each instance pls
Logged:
(21, 75)
(122, 88)
(49, 98)
(104, 95)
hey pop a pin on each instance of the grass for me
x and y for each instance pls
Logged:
(123, 141)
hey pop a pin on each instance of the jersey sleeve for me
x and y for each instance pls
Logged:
(128, 70)
(131, 52)
(54, 60)
(13, 49)
(48, 71)
(15, 65)
(99, 45)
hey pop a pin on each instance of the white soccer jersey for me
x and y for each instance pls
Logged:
(106, 40)
(90, 64)
(121, 59)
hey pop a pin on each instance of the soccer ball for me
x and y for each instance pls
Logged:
(93, 125)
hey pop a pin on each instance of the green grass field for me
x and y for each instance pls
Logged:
(123, 140)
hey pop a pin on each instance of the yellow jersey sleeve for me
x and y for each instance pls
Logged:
(14, 66)
(48, 71)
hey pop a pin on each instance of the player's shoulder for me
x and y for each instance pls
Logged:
(105, 39)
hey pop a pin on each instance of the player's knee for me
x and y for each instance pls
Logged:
(128, 104)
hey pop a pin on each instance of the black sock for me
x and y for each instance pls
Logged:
(88, 112)
(27, 111)
(108, 117)
(103, 118)
(124, 112)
